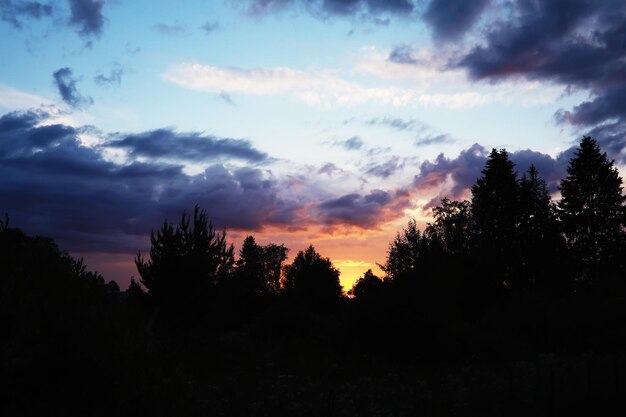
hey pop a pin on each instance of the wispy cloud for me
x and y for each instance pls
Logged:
(314, 88)
(66, 84)
(210, 26)
(169, 30)
(11, 98)
(113, 78)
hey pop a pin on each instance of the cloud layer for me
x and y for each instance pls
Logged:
(52, 184)
(580, 45)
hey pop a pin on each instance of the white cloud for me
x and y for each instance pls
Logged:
(424, 84)
(13, 99)
(314, 88)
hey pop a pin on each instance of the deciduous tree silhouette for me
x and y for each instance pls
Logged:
(452, 225)
(405, 252)
(313, 279)
(368, 286)
(592, 209)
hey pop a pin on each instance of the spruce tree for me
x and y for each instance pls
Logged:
(495, 212)
(592, 209)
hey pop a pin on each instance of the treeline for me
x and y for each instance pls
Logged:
(508, 276)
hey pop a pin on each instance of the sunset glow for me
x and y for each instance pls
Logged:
(327, 123)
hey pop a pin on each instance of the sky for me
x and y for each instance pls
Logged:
(324, 122)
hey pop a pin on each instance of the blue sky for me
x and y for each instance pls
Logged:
(329, 122)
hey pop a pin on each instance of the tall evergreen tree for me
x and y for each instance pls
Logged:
(592, 209)
(540, 242)
(495, 211)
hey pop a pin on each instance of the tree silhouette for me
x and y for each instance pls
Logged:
(368, 286)
(452, 225)
(540, 241)
(186, 263)
(495, 214)
(313, 279)
(258, 268)
(592, 209)
(405, 252)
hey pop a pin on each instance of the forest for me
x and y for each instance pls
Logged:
(507, 304)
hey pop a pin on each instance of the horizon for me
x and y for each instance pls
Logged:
(328, 123)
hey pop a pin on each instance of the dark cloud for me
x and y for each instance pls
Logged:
(210, 27)
(66, 84)
(324, 8)
(450, 19)
(53, 185)
(15, 12)
(463, 171)
(114, 77)
(363, 211)
(169, 30)
(87, 16)
(168, 144)
(581, 45)
(612, 135)
(433, 140)
(373, 7)
(385, 169)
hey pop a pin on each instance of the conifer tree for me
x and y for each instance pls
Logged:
(592, 209)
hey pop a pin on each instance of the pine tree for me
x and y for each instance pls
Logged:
(592, 209)
(186, 262)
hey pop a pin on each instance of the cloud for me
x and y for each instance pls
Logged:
(53, 185)
(14, 12)
(433, 140)
(364, 211)
(224, 96)
(313, 88)
(114, 77)
(396, 123)
(371, 9)
(168, 144)
(66, 84)
(11, 98)
(580, 46)
(453, 177)
(385, 169)
(169, 30)
(402, 54)
(87, 16)
(353, 143)
(451, 19)
(329, 169)
(210, 26)
(456, 175)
